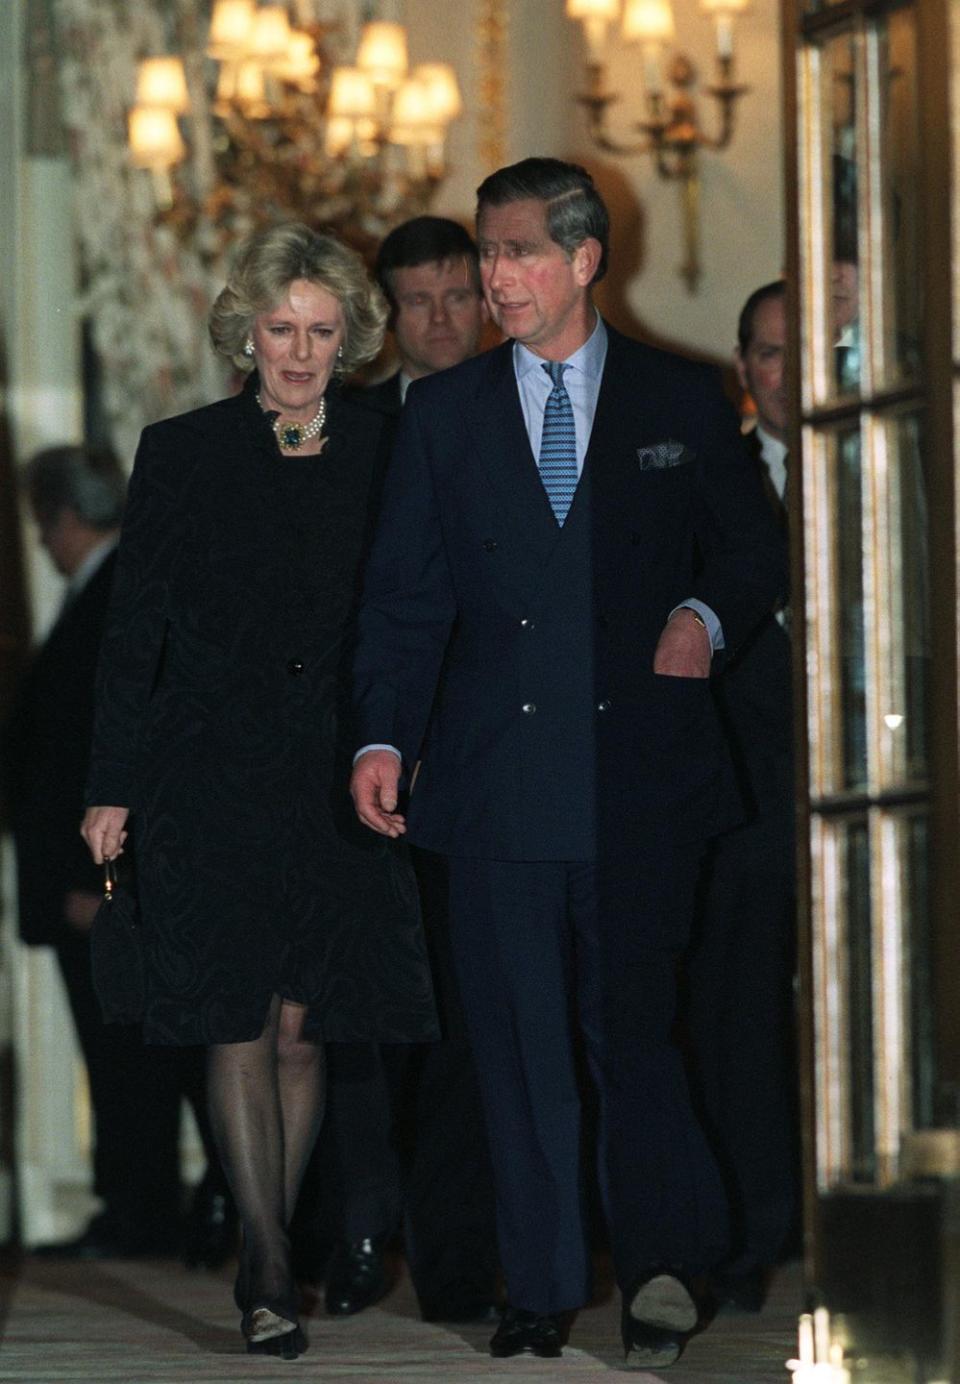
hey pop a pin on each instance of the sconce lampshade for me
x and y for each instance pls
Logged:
(154, 138)
(414, 118)
(443, 93)
(230, 26)
(648, 21)
(269, 36)
(161, 82)
(250, 90)
(351, 94)
(592, 9)
(337, 136)
(382, 53)
(300, 63)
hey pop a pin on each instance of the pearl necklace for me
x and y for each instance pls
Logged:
(294, 435)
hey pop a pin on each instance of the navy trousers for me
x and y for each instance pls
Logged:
(542, 948)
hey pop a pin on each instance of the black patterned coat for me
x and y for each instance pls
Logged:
(221, 722)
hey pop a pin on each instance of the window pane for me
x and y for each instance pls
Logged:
(905, 606)
(921, 1014)
(860, 1059)
(851, 643)
(843, 319)
(900, 207)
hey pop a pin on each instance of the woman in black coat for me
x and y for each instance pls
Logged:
(271, 920)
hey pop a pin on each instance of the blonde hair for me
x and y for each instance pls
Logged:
(268, 262)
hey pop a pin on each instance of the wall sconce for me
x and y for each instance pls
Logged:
(672, 132)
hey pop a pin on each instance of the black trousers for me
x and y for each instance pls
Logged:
(539, 949)
(404, 1138)
(740, 1017)
(135, 1092)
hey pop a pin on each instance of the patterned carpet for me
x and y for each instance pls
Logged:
(153, 1321)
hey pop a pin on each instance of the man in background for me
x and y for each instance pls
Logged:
(404, 1130)
(741, 1008)
(76, 494)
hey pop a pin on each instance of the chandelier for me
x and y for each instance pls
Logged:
(671, 130)
(277, 128)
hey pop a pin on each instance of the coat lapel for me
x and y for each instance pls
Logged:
(500, 437)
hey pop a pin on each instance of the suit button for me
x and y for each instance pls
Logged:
(635, 540)
(529, 708)
(527, 625)
(491, 545)
(294, 667)
(604, 705)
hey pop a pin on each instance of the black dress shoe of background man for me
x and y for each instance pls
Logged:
(106, 1238)
(522, 1332)
(210, 1231)
(356, 1278)
(741, 1289)
(659, 1316)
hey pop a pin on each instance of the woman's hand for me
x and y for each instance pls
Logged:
(103, 829)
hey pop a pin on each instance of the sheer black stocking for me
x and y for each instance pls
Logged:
(266, 1102)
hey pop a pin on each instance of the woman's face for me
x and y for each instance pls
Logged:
(295, 349)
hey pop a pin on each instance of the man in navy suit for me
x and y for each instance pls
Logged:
(403, 1143)
(544, 654)
(740, 976)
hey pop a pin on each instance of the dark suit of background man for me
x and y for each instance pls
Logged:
(741, 1008)
(552, 681)
(77, 496)
(403, 1127)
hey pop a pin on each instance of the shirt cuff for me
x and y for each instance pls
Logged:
(709, 618)
(367, 748)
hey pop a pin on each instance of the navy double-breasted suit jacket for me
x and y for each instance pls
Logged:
(513, 658)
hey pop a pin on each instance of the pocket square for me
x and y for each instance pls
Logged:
(663, 454)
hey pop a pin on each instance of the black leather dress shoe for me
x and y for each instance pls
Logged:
(210, 1236)
(356, 1278)
(658, 1318)
(523, 1332)
(742, 1290)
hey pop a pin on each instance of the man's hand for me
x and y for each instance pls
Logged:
(373, 787)
(684, 649)
(103, 829)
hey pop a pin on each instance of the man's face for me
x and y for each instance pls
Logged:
(535, 292)
(761, 366)
(439, 315)
(844, 294)
(66, 538)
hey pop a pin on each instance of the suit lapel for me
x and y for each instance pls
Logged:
(508, 463)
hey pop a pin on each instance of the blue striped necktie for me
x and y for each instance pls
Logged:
(558, 445)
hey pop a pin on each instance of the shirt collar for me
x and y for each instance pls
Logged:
(771, 448)
(588, 358)
(90, 564)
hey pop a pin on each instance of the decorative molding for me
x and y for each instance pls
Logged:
(493, 66)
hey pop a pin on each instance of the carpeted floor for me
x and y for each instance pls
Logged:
(134, 1321)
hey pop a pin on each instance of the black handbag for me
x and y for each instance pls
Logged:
(116, 953)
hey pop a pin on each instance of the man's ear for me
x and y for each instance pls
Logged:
(741, 369)
(586, 260)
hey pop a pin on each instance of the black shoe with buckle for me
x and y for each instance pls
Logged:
(356, 1278)
(531, 1333)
